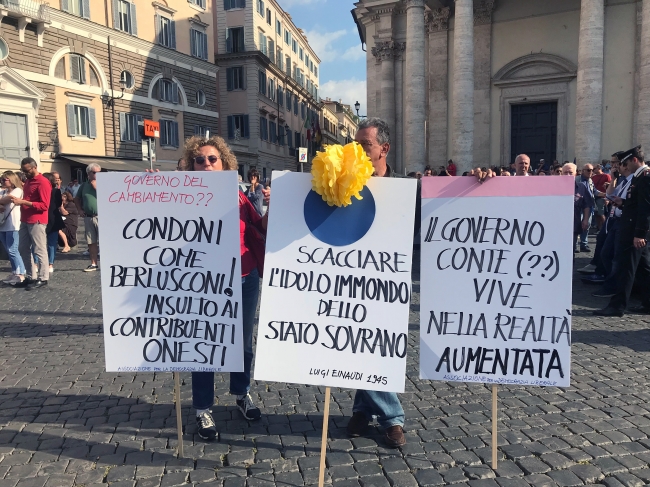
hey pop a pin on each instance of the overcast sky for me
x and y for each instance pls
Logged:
(333, 35)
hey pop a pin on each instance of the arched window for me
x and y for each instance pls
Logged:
(76, 68)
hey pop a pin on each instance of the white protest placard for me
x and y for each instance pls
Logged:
(496, 271)
(171, 278)
(337, 286)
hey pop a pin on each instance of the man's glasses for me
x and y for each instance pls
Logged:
(200, 160)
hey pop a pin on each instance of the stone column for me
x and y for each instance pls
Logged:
(589, 103)
(397, 133)
(463, 90)
(437, 23)
(384, 53)
(482, 80)
(414, 133)
(642, 134)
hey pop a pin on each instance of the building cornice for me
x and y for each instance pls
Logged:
(100, 33)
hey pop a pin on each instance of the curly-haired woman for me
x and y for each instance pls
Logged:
(213, 154)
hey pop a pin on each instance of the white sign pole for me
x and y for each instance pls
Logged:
(494, 427)
(179, 416)
(323, 444)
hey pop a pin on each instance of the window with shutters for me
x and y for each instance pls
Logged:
(198, 3)
(302, 110)
(199, 43)
(235, 78)
(264, 128)
(280, 96)
(262, 43)
(202, 130)
(301, 55)
(80, 8)
(81, 121)
(77, 68)
(166, 28)
(230, 4)
(238, 127)
(200, 98)
(289, 100)
(269, 20)
(235, 39)
(289, 138)
(280, 59)
(278, 27)
(288, 60)
(273, 133)
(125, 16)
(260, 7)
(294, 46)
(169, 133)
(295, 105)
(271, 91)
(297, 139)
(316, 71)
(271, 49)
(166, 90)
(262, 82)
(287, 37)
(129, 127)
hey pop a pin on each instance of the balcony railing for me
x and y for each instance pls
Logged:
(34, 9)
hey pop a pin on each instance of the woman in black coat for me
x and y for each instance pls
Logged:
(68, 235)
(54, 220)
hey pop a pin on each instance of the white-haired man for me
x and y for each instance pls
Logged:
(86, 201)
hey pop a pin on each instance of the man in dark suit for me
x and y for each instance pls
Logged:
(633, 259)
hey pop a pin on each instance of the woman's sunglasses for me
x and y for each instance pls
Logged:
(201, 159)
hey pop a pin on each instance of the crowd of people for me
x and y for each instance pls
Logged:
(38, 218)
(615, 195)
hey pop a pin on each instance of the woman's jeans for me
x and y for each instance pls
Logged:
(52, 242)
(9, 241)
(240, 382)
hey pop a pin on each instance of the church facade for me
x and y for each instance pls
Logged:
(480, 81)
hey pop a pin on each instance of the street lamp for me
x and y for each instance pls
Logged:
(109, 100)
(357, 105)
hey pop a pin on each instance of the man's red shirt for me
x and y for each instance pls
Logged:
(38, 191)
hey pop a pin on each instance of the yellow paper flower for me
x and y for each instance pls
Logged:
(340, 172)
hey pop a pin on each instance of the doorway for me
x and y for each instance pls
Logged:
(534, 131)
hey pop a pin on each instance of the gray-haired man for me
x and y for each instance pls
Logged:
(374, 136)
(86, 201)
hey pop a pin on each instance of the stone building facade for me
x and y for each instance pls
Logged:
(268, 84)
(557, 79)
(77, 76)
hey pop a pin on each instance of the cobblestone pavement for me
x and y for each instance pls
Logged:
(64, 421)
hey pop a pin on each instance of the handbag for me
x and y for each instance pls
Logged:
(254, 240)
(6, 216)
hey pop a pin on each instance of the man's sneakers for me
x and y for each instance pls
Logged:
(588, 269)
(247, 408)
(91, 268)
(26, 282)
(205, 424)
(35, 285)
(357, 425)
(394, 436)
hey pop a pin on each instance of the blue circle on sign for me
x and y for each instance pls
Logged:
(342, 225)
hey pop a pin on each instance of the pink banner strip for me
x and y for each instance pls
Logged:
(468, 186)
